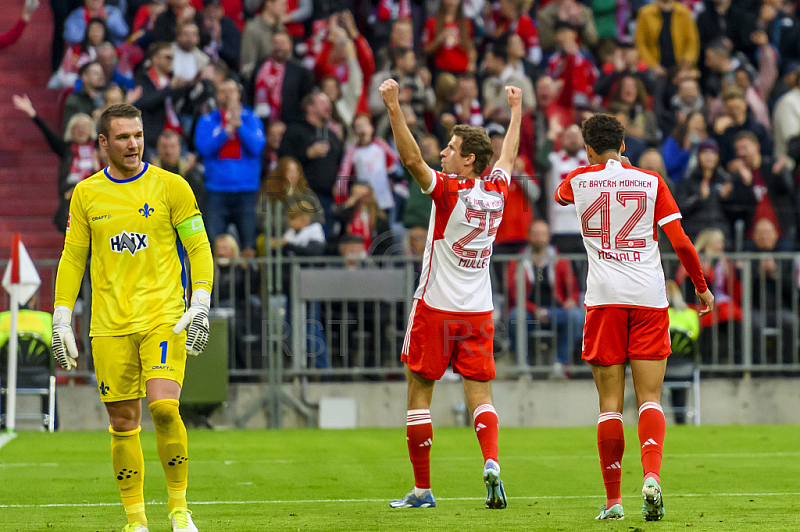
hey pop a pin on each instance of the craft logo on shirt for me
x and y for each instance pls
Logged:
(132, 242)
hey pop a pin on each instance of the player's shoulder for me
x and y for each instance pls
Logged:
(171, 181)
(164, 175)
(642, 173)
(642, 170)
(497, 177)
(96, 181)
(582, 170)
(443, 175)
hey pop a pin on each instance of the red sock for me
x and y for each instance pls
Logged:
(652, 427)
(487, 428)
(611, 444)
(419, 433)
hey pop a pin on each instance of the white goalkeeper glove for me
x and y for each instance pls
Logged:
(196, 318)
(63, 344)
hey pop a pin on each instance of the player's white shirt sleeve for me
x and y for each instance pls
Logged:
(429, 190)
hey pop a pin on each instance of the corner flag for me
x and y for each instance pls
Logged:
(21, 278)
(21, 281)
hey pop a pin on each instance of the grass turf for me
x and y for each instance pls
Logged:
(714, 478)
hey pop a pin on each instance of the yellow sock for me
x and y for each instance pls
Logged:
(128, 462)
(172, 448)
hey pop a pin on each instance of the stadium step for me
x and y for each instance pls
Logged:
(27, 177)
(29, 156)
(29, 170)
(39, 225)
(26, 190)
(41, 207)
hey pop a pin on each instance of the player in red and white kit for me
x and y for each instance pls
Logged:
(626, 321)
(451, 319)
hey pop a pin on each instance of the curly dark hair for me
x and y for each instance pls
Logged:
(603, 133)
(475, 140)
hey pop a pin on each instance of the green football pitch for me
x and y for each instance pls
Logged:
(714, 478)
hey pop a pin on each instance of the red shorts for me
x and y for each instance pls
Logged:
(434, 338)
(614, 334)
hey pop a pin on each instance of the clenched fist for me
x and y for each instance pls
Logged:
(389, 92)
(514, 96)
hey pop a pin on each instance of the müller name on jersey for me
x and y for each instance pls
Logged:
(625, 256)
(612, 184)
(475, 264)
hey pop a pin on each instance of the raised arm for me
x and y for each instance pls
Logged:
(508, 155)
(410, 155)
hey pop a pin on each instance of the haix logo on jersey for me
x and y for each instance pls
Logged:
(132, 242)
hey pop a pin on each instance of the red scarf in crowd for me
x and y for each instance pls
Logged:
(84, 159)
(232, 149)
(269, 85)
(389, 8)
(361, 226)
(171, 122)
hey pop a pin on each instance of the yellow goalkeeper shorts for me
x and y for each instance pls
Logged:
(124, 364)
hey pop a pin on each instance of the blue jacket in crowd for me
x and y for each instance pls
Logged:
(231, 173)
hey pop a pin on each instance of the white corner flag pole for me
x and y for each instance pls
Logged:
(21, 281)
(11, 381)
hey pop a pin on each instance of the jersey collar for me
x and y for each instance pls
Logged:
(134, 178)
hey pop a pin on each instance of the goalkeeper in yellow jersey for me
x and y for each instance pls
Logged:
(138, 221)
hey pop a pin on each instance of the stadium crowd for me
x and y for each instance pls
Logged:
(265, 102)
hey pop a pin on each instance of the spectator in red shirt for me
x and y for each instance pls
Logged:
(773, 188)
(510, 16)
(233, 9)
(145, 19)
(333, 58)
(11, 36)
(537, 126)
(79, 54)
(447, 39)
(279, 83)
(625, 61)
(568, 65)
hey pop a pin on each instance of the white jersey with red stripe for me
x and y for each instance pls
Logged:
(464, 220)
(618, 207)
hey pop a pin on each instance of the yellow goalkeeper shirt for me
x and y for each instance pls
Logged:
(136, 229)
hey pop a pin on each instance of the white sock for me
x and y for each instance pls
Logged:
(420, 493)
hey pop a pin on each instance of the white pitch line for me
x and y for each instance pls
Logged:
(533, 457)
(29, 464)
(323, 501)
(7, 437)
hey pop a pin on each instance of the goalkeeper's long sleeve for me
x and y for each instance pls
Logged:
(70, 274)
(198, 250)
